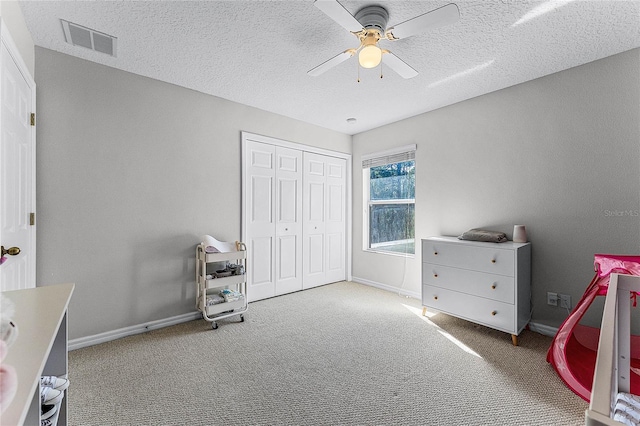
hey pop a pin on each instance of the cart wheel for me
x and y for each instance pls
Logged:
(214, 325)
(241, 318)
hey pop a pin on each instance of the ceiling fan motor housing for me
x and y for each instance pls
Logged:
(373, 17)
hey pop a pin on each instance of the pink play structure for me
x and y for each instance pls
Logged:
(574, 349)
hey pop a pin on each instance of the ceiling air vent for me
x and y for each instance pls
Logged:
(78, 35)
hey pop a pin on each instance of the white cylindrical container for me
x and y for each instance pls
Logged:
(519, 234)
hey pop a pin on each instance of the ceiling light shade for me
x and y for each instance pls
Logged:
(370, 56)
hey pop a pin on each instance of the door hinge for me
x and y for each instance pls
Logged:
(33, 118)
(32, 219)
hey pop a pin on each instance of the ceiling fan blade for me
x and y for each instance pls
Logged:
(398, 65)
(338, 13)
(326, 66)
(436, 18)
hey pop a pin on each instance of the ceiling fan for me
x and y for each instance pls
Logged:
(370, 26)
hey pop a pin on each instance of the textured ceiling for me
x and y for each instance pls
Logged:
(258, 52)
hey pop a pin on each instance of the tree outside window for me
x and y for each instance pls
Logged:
(391, 207)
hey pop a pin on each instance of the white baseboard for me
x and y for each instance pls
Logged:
(107, 336)
(543, 329)
(400, 291)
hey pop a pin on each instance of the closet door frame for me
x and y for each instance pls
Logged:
(246, 137)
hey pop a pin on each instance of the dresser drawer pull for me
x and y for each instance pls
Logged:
(493, 287)
(435, 253)
(435, 297)
(494, 313)
(493, 261)
(435, 275)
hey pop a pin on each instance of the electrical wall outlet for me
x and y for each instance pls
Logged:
(565, 301)
(552, 299)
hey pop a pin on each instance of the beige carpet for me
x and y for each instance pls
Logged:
(341, 354)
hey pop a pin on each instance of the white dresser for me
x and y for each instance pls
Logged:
(487, 283)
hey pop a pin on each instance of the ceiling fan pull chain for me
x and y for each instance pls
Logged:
(380, 69)
(358, 71)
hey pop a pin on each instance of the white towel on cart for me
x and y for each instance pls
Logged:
(211, 245)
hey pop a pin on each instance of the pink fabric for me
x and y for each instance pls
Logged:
(8, 379)
(574, 362)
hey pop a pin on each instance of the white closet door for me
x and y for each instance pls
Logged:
(273, 205)
(260, 173)
(335, 224)
(324, 219)
(288, 228)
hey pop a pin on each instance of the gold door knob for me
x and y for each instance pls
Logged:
(11, 251)
(493, 313)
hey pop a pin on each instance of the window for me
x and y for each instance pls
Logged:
(389, 188)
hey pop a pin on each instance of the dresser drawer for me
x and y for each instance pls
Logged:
(490, 286)
(492, 313)
(487, 257)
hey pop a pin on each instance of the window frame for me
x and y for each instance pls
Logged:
(374, 160)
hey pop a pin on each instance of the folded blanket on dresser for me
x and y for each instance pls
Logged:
(484, 235)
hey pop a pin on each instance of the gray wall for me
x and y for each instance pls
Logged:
(130, 173)
(560, 154)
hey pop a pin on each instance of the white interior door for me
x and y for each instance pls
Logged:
(324, 228)
(17, 160)
(288, 227)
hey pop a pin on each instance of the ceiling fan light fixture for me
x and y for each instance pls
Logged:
(370, 56)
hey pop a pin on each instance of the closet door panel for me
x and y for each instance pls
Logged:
(335, 208)
(261, 261)
(289, 277)
(288, 227)
(259, 198)
(288, 195)
(314, 209)
(286, 257)
(315, 255)
(336, 219)
(335, 243)
(325, 226)
(316, 202)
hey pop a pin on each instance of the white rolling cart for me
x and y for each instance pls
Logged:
(222, 284)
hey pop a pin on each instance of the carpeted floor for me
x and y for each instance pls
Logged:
(340, 354)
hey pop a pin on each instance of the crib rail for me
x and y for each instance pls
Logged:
(612, 373)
